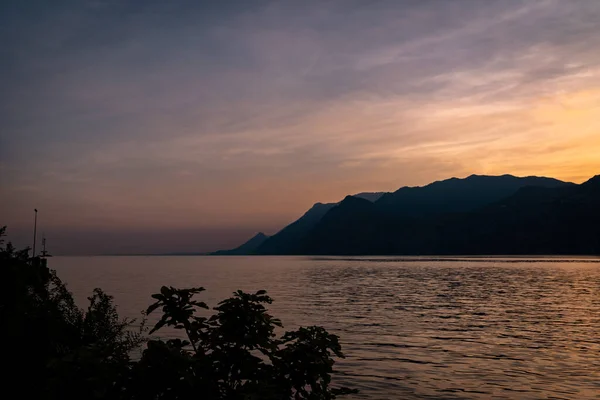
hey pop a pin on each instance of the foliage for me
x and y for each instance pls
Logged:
(235, 353)
(231, 354)
(71, 352)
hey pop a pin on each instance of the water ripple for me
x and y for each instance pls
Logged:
(412, 328)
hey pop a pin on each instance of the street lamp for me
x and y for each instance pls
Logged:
(34, 231)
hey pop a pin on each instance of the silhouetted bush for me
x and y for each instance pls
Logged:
(66, 352)
(70, 352)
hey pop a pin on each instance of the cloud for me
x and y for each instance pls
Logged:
(131, 114)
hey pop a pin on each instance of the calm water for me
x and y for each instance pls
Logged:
(411, 329)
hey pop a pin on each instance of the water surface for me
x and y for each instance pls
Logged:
(412, 328)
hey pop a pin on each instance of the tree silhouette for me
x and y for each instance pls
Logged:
(234, 353)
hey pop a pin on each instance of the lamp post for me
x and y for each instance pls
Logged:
(34, 231)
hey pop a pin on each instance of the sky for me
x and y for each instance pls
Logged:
(152, 126)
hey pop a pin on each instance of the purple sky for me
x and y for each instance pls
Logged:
(151, 126)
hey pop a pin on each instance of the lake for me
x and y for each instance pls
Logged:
(411, 328)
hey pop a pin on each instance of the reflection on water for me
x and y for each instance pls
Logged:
(411, 328)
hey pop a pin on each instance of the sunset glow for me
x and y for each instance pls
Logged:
(210, 124)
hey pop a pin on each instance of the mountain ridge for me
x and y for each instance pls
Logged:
(415, 220)
(282, 242)
(558, 219)
(246, 248)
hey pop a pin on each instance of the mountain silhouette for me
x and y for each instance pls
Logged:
(247, 248)
(457, 195)
(371, 196)
(477, 215)
(550, 218)
(535, 220)
(287, 239)
(284, 241)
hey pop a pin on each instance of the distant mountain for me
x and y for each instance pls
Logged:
(535, 220)
(247, 248)
(347, 226)
(371, 196)
(286, 239)
(345, 229)
(457, 195)
(551, 217)
(475, 215)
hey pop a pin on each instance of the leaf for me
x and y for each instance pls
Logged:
(200, 304)
(152, 307)
(158, 325)
(166, 291)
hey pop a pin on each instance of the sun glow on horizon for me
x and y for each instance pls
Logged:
(247, 119)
